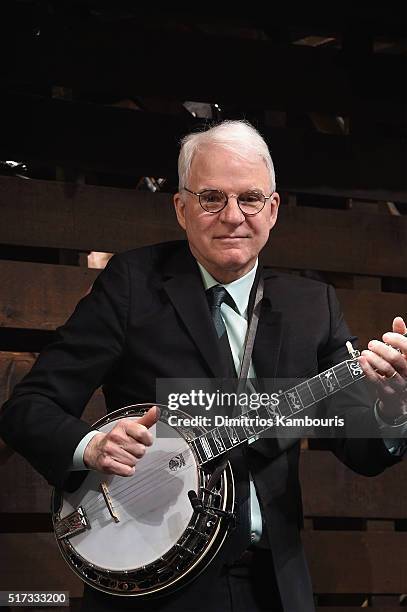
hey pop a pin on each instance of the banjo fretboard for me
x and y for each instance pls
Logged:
(221, 440)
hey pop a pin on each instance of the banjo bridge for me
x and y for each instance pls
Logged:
(108, 501)
(72, 524)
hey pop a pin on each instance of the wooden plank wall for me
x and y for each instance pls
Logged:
(355, 528)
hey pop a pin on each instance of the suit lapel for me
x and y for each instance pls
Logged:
(185, 290)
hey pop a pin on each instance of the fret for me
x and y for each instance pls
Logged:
(317, 388)
(219, 442)
(343, 374)
(260, 413)
(212, 443)
(283, 407)
(224, 437)
(247, 427)
(198, 449)
(306, 397)
(206, 448)
(329, 381)
(263, 414)
(233, 435)
(355, 369)
(240, 431)
(272, 411)
(293, 400)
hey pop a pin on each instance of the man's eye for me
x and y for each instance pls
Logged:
(212, 197)
(251, 197)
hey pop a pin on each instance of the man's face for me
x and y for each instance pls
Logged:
(226, 243)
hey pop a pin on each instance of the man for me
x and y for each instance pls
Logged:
(148, 317)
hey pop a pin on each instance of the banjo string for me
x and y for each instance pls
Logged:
(136, 495)
(157, 465)
(118, 489)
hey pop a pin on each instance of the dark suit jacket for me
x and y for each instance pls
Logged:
(147, 317)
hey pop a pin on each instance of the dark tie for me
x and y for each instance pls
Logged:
(240, 538)
(218, 295)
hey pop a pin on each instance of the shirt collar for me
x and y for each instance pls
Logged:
(238, 289)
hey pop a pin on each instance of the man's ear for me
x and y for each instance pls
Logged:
(274, 205)
(179, 204)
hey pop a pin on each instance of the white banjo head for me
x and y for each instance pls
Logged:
(152, 506)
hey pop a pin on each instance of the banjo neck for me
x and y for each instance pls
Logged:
(222, 440)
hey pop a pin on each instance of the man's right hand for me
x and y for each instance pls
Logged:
(118, 451)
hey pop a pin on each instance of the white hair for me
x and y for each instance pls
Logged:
(238, 137)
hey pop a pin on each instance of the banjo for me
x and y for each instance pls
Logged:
(153, 532)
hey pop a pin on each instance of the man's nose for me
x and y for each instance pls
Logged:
(232, 213)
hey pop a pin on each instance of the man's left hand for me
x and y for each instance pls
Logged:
(385, 365)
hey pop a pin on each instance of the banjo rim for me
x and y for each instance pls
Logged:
(218, 528)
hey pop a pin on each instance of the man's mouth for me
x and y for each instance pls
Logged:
(230, 237)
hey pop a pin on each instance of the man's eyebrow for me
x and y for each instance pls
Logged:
(219, 189)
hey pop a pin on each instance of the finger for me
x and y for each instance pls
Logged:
(135, 432)
(138, 430)
(396, 341)
(110, 465)
(399, 326)
(134, 449)
(390, 355)
(127, 433)
(150, 417)
(383, 387)
(369, 371)
(126, 455)
(378, 363)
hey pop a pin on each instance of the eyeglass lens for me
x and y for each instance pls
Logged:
(250, 202)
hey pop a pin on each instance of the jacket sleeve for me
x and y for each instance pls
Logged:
(41, 420)
(362, 447)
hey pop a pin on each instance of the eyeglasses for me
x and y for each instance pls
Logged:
(250, 202)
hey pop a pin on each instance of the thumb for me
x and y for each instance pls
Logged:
(399, 326)
(150, 417)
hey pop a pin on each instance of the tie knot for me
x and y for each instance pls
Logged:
(217, 295)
